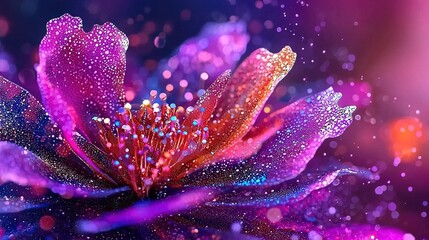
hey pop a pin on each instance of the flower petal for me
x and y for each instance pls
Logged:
(97, 156)
(202, 113)
(201, 59)
(305, 125)
(146, 211)
(285, 193)
(81, 74)
(206, 105)
(35, 151)
(248, 89)
(26, 169)
(300, 129)
(250, 86)
(250, 144)
(22, 167)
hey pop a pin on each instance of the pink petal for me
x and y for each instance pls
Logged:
(81, 74)
(299, 128)
(217, 48)
(146, 211)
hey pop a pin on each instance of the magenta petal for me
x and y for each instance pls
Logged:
(305, 125)
(146, 211)
(22, 167)
(302, 127)
(81, 74)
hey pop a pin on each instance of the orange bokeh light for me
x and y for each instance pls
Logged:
(406, 137)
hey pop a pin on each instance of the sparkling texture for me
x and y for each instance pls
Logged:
(248, 89)
(81, 74)
(282, 194)
(36, 152)
(296, 132)
(195, 170)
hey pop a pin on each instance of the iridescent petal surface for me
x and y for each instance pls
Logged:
(81, 74)
(300, 128)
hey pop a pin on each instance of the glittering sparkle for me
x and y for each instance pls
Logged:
(144, 144)
(195, 158)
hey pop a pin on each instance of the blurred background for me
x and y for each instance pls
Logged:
(375, 52)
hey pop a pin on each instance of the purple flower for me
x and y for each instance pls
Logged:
(199, 170)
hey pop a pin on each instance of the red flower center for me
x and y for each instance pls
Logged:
(144, 144)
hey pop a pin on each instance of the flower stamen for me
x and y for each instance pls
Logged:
(145, 143)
